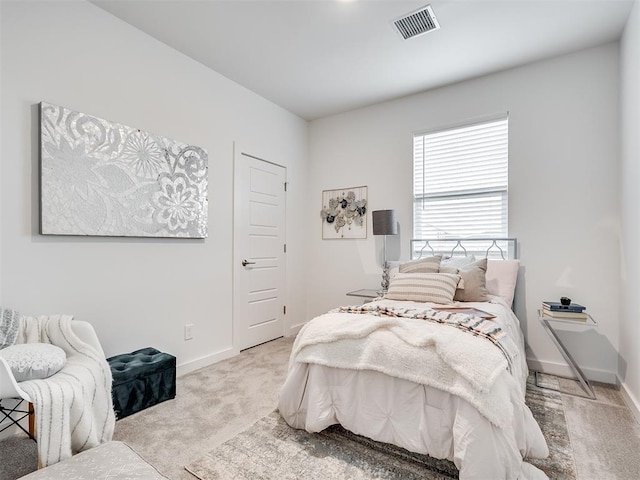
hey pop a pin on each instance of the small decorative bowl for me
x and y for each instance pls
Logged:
(565, 301)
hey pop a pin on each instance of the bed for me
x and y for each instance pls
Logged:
(411, 370)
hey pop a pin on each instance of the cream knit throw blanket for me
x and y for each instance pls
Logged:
(415, 350)
(73, 408)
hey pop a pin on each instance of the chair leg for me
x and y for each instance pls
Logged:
(32, 421)
(32, 429)
(15, 416)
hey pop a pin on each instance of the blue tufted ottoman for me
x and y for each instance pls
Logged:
(141, 379)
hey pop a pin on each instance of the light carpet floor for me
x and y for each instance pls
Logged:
(211, 406)
(218, 402)
(271, 449)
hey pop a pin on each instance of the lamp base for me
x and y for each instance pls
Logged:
(385, 278)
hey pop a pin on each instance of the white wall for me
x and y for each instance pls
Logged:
(563, 190)
(1, 82)
(629, 359)
(136, 292)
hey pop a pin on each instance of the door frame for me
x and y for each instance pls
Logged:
(238, 152)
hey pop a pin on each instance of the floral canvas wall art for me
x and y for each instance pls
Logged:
(103, 178)
(344, 213)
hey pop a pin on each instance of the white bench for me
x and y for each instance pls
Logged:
(108, 461)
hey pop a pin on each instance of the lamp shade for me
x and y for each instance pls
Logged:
(384, 222)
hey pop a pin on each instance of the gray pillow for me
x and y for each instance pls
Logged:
(33, 361)
(453, 271)
(474, 282)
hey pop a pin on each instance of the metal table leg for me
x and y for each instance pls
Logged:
(584, 382)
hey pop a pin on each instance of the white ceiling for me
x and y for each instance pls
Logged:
(320, 57)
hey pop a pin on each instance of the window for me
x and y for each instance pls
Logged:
(460, 181)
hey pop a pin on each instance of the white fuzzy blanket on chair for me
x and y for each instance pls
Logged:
(73, 408)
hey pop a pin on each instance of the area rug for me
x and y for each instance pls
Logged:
(548, 410)
(270, 449)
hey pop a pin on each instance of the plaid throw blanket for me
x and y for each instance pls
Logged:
(473, 325)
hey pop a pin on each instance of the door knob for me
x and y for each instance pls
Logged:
(245, 263)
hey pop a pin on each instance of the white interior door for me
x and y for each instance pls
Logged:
(259, 250)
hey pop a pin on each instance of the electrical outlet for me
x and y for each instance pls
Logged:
(188, 335)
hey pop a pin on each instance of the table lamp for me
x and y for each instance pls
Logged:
(384, 223)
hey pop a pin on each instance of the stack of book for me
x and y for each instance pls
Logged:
(573, 311)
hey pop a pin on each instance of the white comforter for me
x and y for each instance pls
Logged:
(362, 383)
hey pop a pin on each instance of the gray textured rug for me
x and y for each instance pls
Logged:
(548, 410)
(271, 449)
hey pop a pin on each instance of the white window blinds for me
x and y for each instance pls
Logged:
(460, 181)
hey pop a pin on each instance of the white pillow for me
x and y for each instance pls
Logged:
(33, 361)
(457, 261)
(421, 265)
(423, 287)
(501, 278)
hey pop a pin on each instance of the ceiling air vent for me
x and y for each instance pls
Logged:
(417, 23)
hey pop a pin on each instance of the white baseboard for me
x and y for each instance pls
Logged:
(205, 361)
(631, 401)
(563, 370)
(210, 359)
(295, 329)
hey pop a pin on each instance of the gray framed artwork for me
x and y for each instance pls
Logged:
(102, 178)
(344, 213)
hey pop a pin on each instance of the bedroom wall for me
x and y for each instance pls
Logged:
(629, 359)
(1, 302)
(563, 190)
(136, 292)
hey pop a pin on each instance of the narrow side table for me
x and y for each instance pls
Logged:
(367, 293)
(547, 322)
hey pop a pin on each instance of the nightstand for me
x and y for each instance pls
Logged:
(368, 293)
(548, 324)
